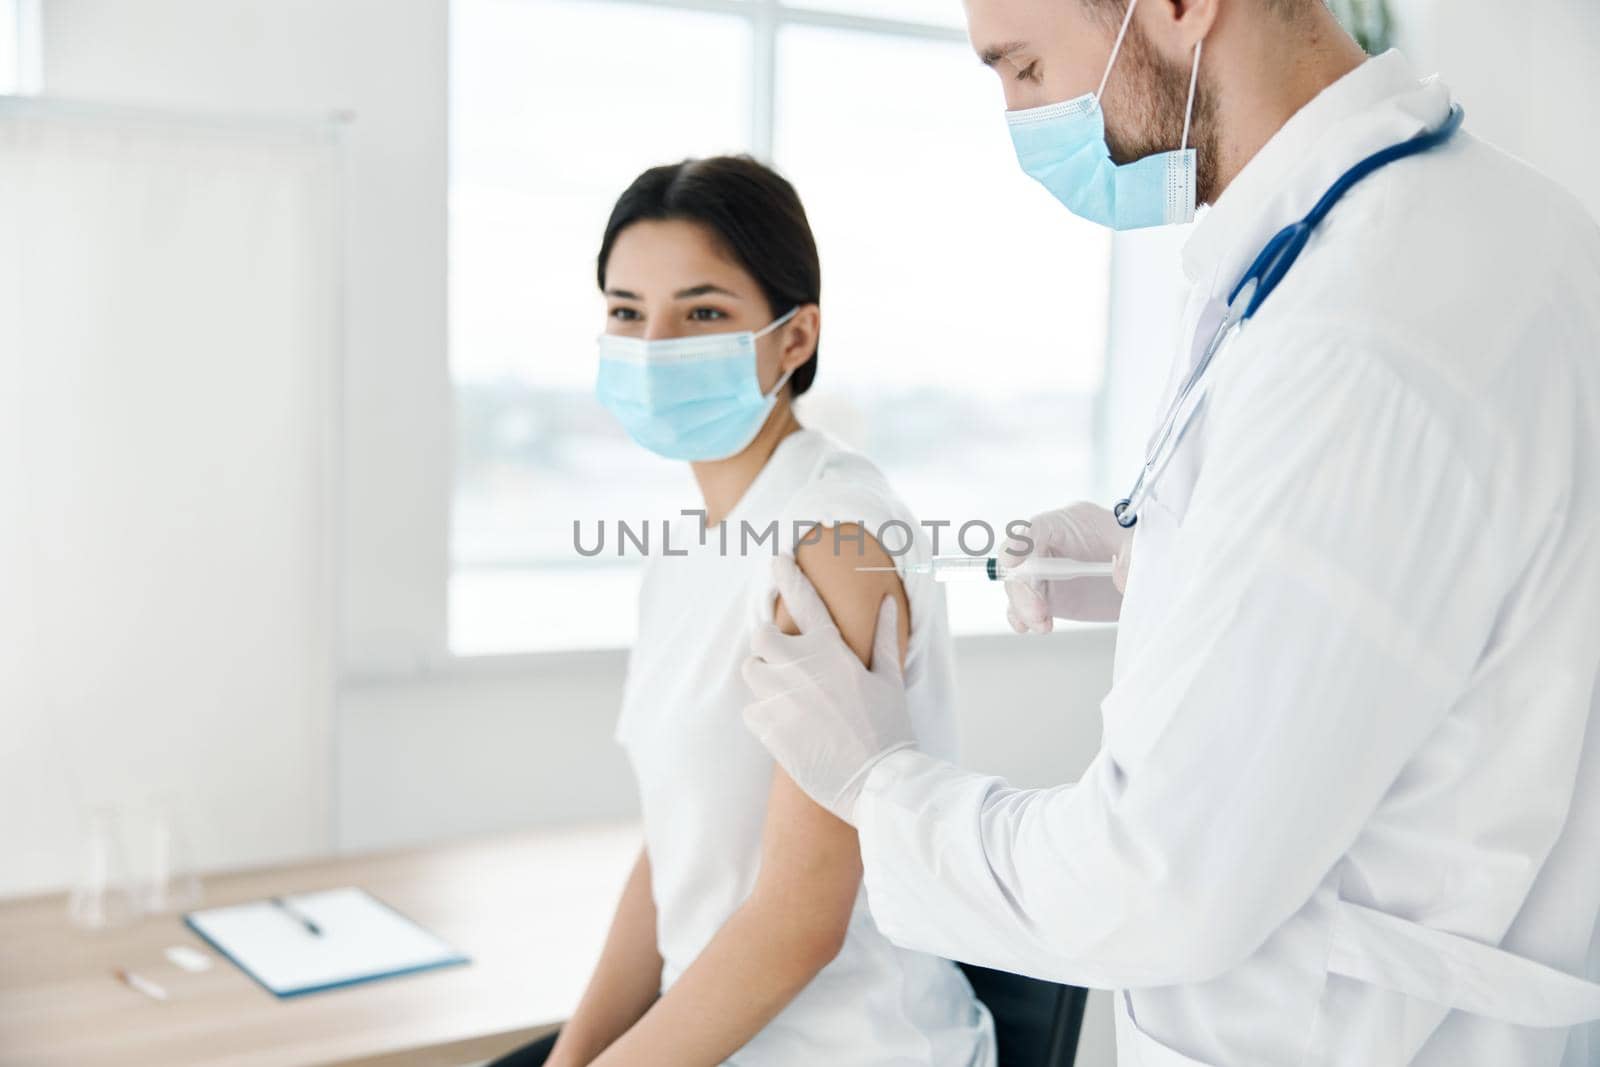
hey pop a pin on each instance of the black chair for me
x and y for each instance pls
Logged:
(1036, 1023)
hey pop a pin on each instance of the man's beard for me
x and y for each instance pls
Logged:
(1153, 95)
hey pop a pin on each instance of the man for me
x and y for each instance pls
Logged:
(1347, 808)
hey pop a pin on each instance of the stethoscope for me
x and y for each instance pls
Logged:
(1269, 268)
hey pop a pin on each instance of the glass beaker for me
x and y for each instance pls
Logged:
(103, 894)
(163, 874)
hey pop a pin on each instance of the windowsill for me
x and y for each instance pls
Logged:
(542, 664)
(500, 614)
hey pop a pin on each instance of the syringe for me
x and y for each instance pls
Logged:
(992, 569)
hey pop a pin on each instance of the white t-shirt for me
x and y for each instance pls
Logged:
(704, 780)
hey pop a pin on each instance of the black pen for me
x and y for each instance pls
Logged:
(299, 917)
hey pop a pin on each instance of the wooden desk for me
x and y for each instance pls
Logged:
(530, 909)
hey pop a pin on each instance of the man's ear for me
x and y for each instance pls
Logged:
(1180, 25)
(800, 337)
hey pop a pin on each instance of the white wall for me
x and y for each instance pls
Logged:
(1528, 75)
(383, 61)
(165, 488)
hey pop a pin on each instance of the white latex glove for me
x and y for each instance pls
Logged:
(1082, 531)
(824, 716)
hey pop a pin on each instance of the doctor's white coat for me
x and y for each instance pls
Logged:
(1347, 809)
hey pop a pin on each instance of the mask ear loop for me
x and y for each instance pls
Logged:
(779, 321)
(1194, 73)
(778, 387)
(1116, 49)
(791, 313)
(1194, 81)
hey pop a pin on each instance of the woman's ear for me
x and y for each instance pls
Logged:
(800, 338)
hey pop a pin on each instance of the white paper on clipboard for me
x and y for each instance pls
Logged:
(361, 939)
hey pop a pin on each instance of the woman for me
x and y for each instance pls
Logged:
(742, 934)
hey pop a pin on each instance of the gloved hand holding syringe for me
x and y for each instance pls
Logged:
(995, 569)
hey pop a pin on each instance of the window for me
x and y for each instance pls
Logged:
(19, 40)
(965, 313)
(8, 46)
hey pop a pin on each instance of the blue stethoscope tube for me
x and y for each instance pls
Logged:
(1270, 267)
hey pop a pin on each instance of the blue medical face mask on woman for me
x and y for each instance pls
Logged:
(690, 398)
(1063, 147)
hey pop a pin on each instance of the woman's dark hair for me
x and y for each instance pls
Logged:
(751, 209)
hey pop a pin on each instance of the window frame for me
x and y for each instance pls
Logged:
(766, 20)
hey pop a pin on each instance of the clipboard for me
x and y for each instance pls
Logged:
(314, 942)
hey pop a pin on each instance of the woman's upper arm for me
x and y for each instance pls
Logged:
(811, 858)
(832, 563)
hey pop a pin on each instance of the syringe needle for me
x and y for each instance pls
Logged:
(982, 568)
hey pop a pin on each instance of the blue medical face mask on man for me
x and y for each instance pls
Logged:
(690, 398)
(1063, 146)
